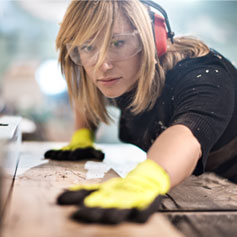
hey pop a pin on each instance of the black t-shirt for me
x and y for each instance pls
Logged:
(200, 93)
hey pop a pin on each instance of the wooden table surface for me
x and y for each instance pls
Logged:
(200, 206)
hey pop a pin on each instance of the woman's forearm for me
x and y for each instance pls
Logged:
(177, 151)
(79, 120)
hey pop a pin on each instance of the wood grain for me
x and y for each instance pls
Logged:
(200, 206)
(205, 224)
(205, 192)
(33, 211)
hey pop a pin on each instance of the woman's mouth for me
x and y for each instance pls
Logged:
(110, 81)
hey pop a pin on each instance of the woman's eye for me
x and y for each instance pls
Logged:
(87, 48)
(118, 43)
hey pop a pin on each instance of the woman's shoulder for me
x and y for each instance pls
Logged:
(210, 66)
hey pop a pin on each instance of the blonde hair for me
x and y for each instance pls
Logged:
(87, 19)
(183, 47)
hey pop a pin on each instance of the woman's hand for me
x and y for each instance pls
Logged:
(81, 147)
(135, 197)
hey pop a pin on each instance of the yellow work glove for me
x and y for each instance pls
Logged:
(134, 198)
(81, 147)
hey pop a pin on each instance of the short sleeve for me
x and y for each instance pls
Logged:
(203, 100)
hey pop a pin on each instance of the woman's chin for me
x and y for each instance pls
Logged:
(112, 94)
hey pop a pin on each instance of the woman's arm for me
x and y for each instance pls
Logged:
(79, 120)
(177, 151)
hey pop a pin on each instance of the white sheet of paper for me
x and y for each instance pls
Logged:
(122, 158)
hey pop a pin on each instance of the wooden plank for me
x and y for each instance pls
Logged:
(203, 206)
(33, 211)
(200, 206)
(206, 192)
(205, 224)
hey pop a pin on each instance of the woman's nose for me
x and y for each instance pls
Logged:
(106, 65)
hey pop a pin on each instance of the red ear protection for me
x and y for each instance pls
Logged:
(161, 27)
(160, 34)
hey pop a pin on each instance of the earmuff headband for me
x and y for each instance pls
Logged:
(156, 6)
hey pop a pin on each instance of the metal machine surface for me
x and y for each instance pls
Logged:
(10, 140)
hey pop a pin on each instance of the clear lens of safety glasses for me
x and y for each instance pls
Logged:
(122, 47)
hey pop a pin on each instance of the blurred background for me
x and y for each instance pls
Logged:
(31, 84)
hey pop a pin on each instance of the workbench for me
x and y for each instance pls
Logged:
(200, 206)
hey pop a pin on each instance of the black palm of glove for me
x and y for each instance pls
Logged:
(133, 198)
(80, 148)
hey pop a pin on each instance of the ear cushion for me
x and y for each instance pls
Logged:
(160, 34)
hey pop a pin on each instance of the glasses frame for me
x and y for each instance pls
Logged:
(70, 48)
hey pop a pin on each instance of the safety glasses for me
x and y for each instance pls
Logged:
(122, 47)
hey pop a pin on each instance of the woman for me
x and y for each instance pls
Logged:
(178, 103)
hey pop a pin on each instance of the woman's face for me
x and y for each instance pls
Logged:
(114, 78)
